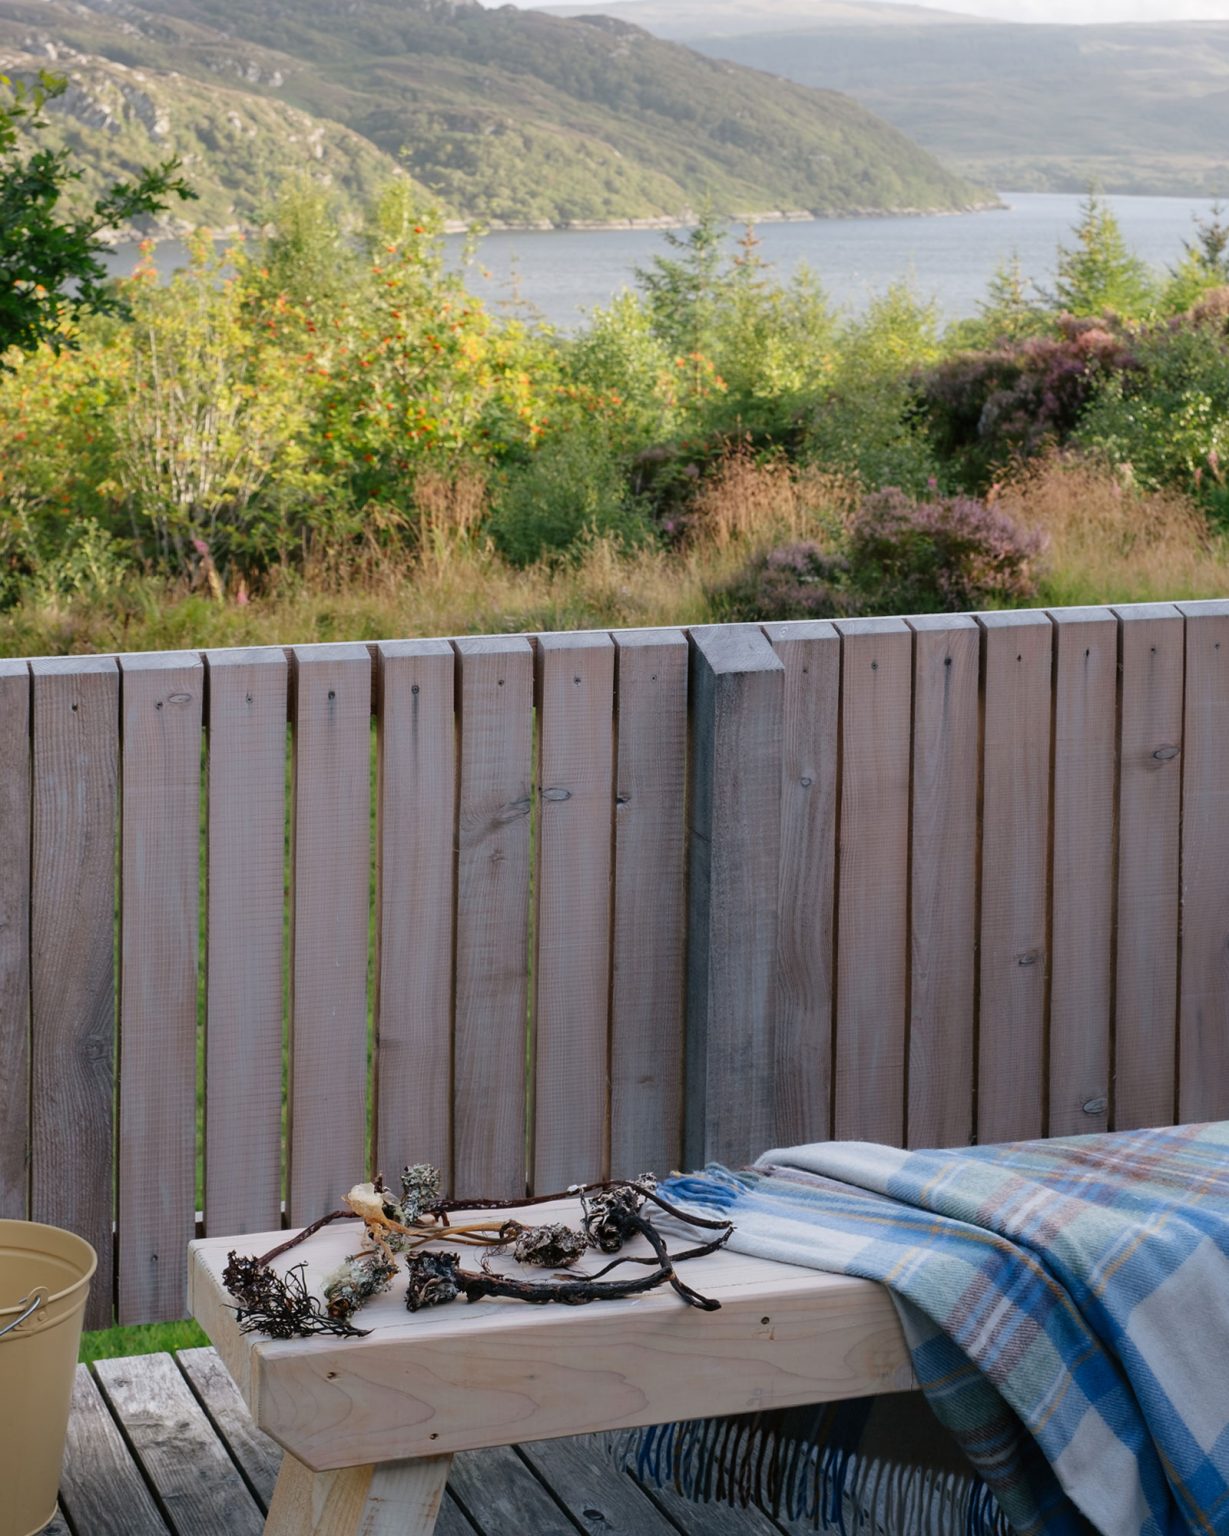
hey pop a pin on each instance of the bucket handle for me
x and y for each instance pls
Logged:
(32, 1303)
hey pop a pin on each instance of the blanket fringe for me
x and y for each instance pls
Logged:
(853, 1469)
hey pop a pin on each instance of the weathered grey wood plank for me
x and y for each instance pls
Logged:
(495, 687)
(873, 888)
(738, 692)
(806, 887)
(648, 982)
(415, 850)
(101, 1487)
(696, 1519)
(943, 891)
(58, 1526)
(14, 939)
(161, 704)
(72, 956)
(197, 1483)
(258, 1456)
(1011, 1091)
(597, 1494)
(1203, 1017)
(246, 913)
(1152, 643)
(332, 871)
(1085, 775)
(575, 689)
(502, 1496)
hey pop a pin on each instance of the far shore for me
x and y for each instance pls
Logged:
(685, 220)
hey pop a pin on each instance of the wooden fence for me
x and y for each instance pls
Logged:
(596, 902)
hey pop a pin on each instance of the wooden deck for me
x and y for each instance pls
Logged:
(162, 1445)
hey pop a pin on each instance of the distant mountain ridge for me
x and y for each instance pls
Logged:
(1132, 107)
(507, 116)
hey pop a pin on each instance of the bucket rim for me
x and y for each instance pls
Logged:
(34, 1227)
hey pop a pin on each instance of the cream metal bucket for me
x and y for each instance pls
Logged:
(45, 1278)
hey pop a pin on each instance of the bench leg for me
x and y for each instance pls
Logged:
(393, 1498)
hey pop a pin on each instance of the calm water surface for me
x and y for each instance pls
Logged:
(559, 274)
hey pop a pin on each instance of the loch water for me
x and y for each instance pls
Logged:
(560, 274)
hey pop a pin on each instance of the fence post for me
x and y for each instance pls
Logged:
(738, 692)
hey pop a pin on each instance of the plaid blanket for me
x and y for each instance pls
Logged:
(1065, 1302)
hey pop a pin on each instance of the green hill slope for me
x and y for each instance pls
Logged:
(1137, 108)
(505, 115)
(238, 150)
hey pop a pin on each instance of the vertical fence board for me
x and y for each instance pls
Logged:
(1203, 1019)
(495, 691)
(575, 678)
(943, 880)
(650, 903)
(738, 691)
(72, 956)
(1152, 641)
(1081, 961)
(14, 938)
(246, 913)
(332, 869)
(161, 702)
(873, 881)
(415, 849)
(1011, 1087)
(811, 655)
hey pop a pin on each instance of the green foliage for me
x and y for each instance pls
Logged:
(618, 366)
(1012, 310)
(1168, 423)
(867, 424)
(1204, 265)
(1098, 275)
(752, 352)
(684, 291)
(53, 275)
(573, 490)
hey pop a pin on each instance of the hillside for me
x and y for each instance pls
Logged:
(1135, 108)
(238, 149)
(506, 116)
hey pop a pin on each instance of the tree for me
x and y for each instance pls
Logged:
(683, 291)
(1204, 264)
(50, 272)
(1098, 274)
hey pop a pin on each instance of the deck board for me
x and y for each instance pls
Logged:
(165, 1447)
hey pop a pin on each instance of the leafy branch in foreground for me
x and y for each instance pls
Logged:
(613, 1212)
(50, 271)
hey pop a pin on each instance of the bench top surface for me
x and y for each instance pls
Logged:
(499, 1371)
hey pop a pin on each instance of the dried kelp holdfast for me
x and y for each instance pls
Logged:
(613, 1211)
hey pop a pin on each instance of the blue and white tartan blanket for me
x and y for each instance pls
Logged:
(1065, 1302)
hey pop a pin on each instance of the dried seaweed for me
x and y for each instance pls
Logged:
(355, 1281)
(549, 1247)
(613, 1211)
(280, 1306)
(434, 1280)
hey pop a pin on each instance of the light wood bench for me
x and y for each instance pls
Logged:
(370, 1425)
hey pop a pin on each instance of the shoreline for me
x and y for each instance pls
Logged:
(688, 219)
(685, 220)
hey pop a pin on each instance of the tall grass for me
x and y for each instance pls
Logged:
(1109, 542)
